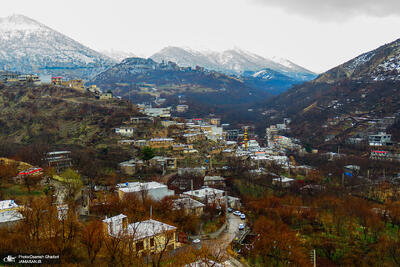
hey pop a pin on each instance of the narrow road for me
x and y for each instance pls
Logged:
(227, 237)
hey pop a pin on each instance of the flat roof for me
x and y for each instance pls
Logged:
(186, 203)
(137, 187)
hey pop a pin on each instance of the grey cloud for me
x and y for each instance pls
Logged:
(336, 9)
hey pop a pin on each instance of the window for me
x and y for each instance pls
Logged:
(139, 245)
(151, 242)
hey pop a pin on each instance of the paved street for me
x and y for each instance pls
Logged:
(227, 237)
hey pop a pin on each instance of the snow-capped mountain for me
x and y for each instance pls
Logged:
(118, 55)
(380, 64)
(30, 47)
(234, 61)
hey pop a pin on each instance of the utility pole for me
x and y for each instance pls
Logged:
(313, 258)
(151, 212)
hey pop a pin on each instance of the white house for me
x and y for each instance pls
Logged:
(154, 190)
(9, 211)
(125, 131)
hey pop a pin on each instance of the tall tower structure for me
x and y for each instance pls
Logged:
(245, 138)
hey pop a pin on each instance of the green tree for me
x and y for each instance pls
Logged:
(147, 153)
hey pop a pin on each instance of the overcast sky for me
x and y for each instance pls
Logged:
(316, 34)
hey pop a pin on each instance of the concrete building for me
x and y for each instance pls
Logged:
(9, 212)
(215, 121)
(165, 163)
(106, 96)
(380, 139)
(153, 190)
(283, 181)
(217, 181)
(60, 160)
(158, 112)
(182, 108)
(189, 206)
(132, 166)
(160, 142)
(125, 131)
(148, 236)
(198, 171)
(141, 120)
(193, 137)
(29, 78)
(208, 195)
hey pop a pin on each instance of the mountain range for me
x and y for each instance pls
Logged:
(28, 46)
(233, 61)
(278, 74)
(367, 86)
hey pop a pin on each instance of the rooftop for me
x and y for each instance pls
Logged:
(213, 178)
(115, 218)
(148, 228)
(187, 203)
(137, 187)
(7, 204)
(207, 191)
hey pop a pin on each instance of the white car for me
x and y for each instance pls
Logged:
(237, 213)
(243, 217)
(196, 241)
(241, 226)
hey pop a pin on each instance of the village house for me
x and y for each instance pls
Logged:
(60, 160)
(161, 142)
(380, 139)
(94, 89)
(217, 181)
(197, 171)
(56, 80)
(106, 96)
(193, 137)
(29, 78)
(182, 147)
(74, 84)
(157, 112)
(208, 195)
(189, 206)
(168, 123)
(9, 213)
(165, 163)
(182, 108)
(141, 120)
(215, 121)
(132, 166)
(283, 181)
(126, 142)
(34, 171)
(153, 190)
(149, 236)
(125, 131)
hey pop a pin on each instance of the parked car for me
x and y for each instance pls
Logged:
(196, 241)
(230, 210)
(243, 217)
(237, 213)
(241, 226)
